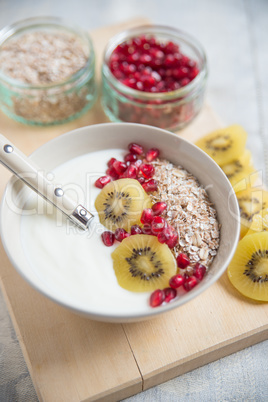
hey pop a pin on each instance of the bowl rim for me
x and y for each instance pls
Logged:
(119, 318)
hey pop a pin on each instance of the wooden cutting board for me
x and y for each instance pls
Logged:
(76, 359)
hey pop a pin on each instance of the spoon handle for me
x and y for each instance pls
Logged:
(26, 170)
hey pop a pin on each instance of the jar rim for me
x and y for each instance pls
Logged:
(9, 31)
(155, 29)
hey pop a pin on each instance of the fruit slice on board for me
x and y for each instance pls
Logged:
(240, 171)
(142, 264)
(248, 271)
(120, 204)
(251, 202)
(224, 145)
(259, 222)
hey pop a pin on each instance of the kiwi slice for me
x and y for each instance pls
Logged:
(259, 222)
(248, 271)
(251, 202)
(240, 170)
(224, 145)
(142, 264)
(120, 204)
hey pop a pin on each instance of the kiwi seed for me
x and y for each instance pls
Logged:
(256, 258)
(237, 169)
(112, 200)
(212, 143)
(134, 262)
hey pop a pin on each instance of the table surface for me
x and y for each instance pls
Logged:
(235, 36)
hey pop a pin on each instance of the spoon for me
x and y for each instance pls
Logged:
(32, 175)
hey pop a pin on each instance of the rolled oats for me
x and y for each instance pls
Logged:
(189, 211)
(45, 65)
(42, 58)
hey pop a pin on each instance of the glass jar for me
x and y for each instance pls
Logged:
(40, 82)
(172, 109)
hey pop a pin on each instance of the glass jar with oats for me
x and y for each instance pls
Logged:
(47, 71)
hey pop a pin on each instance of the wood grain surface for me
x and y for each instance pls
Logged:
(76, 359)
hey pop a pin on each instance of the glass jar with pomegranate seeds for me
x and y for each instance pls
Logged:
(154, 75)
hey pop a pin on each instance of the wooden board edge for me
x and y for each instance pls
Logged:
(123, 391)
(19, 337)
(208, 356)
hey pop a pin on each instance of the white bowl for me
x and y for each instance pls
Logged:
(65, 289)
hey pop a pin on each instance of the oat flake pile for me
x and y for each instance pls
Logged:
(41, 58)
(189, 211)
(44, 63)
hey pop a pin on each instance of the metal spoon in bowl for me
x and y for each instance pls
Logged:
(18, 163)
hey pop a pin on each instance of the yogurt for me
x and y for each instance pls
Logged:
(74, 264)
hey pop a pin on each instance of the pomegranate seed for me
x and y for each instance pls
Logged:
(139, 86)
(147, 229)
(112, 172)
(170, 294)
(130, 82)
(176, 281)
(152, 154)
(185, 60)
(147, 170)
(137, 163)
(136, 229)
(147, 215)
(119, 167)
(165, 235)
(180, 73)
(130, 157)
(150, 186)
(159, 207)
(158, 223)
(135, 149)
(162, 237)
(170, 60)
(193, 73)
(157, 54)
(157, 298)
(108, 238)
(183, 260)
(185, 81)
(102, 181)
(141, 179)
(120, 234)
(199, 271)
(173, 239)
(190, 283)
(118, 74)
(168, 236)
(111, 162)
(131, 172)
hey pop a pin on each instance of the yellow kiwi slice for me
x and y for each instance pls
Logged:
(251, 202)
(224, 145)
(248, 271)
(120, 204)
(142, 264)
(240, 171)
(259, 222)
